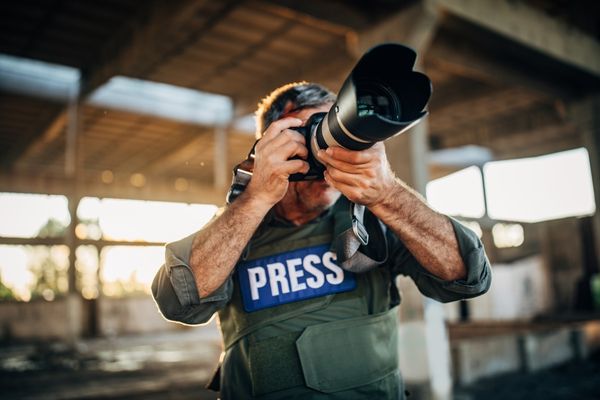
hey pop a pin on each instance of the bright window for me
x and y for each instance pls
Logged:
(541, 188)
(151, 221)
(32, 215)
(127, 270)
(30, 272)
(508, 235)
(458, 194)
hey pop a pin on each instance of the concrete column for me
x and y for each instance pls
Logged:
(437, 347)
(487, 224)
(221, 173)
(586, 115)
(71, 242)
(72, 140)
(73, 173)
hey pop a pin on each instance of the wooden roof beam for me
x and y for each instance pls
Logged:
(131, 48)
(530, 27)
(52, 132)
(135, 46)
(463, 59)
(413, 26)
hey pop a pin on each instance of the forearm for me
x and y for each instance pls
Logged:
(217, 248)
(428, 235)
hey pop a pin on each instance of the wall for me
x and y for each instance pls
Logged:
(520, 290)
(131, 315)
(66, 318)
(61, 319)
(563, 250)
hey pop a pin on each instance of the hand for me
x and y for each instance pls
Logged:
(272, 162)
(364, 177)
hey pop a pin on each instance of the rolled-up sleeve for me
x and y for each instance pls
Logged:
(479, 274)
(175, 292)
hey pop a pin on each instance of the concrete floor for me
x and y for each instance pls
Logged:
(163, 366)
(178, 365)
(575, 380)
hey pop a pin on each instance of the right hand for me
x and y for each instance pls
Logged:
(273, 163)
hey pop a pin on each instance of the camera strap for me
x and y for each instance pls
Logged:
(241, 176)
(358, 226)
(373, 253)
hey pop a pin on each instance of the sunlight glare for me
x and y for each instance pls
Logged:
(23, 215)
(541, 188)
(129, 267)
(14, 272)
(458, 194)
(150, 221)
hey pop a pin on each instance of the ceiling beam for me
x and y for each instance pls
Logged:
(50, 134)
(510, 144)
(558, 144)
(459, 56)
(335, 16)
(53, 241)
(136, 45)
(131, 48)
(413, 26)
(530, 27)
(329, 65)
(188, 149)
(482, 108)
(534, 138)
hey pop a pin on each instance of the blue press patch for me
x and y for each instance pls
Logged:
(287, 277)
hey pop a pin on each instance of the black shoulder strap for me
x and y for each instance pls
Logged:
(360, 247)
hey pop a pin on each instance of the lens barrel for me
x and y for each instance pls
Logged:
(381, 97)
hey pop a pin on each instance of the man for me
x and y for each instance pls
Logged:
(294, 323)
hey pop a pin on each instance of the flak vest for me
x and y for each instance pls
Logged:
(299, 325)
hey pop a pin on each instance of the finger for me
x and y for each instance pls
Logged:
(280, 125)
(291, 149)
(339, 164)
(349, 156)
(345, 177)
(350, 191)
(293, 167)
(272, 144)
(288, 135)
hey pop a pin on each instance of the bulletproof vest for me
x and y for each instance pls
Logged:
(296, 320)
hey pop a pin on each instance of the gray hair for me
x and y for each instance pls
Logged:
(291, 97)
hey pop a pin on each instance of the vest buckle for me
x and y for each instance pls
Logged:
(359, 231)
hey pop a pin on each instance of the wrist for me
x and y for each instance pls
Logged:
(390, 194)
(254, 203)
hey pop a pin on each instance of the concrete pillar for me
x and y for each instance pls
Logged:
(73, 142)
(586, 115)
(73, 173)
(424, 346)
(71, 242)
(221, 172)
(437, 383)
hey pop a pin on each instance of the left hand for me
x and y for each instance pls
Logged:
(364, 177)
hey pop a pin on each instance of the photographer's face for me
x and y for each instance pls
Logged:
(308, 196)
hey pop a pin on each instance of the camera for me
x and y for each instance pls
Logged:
(382, 97)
